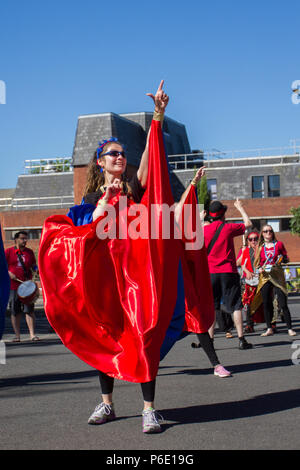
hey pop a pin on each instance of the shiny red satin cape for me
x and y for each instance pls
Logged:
(199, 302)
(111, 301)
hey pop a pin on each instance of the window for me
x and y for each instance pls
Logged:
(212, 188)
(257, 187)
(275, 224)
(285, 225)
(255, 224)
(273, 186)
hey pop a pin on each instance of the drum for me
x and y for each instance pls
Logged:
(28, 292)
(253, 281)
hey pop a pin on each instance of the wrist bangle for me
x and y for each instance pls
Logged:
(193, 183)
(158, 116)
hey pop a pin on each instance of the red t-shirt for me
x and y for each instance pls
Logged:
(273, 252)
(15, 266)
(222, 256)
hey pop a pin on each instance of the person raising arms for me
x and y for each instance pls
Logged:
(269, 256)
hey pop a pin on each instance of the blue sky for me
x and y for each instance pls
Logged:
(228, 67)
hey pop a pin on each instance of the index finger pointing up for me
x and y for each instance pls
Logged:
(160, 86)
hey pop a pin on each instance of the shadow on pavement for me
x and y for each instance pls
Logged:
(260, 405)
(237, 368)
(27, 343)
(44, 379)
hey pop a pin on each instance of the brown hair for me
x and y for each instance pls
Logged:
(95, 177)
(261, 241)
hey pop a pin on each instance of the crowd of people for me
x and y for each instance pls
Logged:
(121, 303)
(263, 277)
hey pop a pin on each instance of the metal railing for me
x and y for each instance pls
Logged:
(48, 165)
(5, 203)
(232, 157)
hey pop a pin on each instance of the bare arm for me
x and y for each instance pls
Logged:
(111, 191)
(238, 205)
(249, 274)
(12, 276)
(160, 100)
(239, 260)
(179, 206)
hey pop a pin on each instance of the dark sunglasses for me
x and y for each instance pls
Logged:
(255, 239)
(267, 231)
(114, 153)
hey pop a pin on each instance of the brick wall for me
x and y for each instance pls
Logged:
(80, 173)
(23, 219)
(266, 207)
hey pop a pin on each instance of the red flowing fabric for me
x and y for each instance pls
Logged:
(199, 302)
(111, 301)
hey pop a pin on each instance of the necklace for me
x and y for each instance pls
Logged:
(270, 255)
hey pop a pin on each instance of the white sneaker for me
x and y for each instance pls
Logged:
(102, 414)
(150, 421)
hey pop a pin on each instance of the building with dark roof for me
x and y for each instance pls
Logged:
(268, 185)
(131, 130)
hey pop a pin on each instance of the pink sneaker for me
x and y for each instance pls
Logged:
(220, 371)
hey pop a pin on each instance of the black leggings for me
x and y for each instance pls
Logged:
(107, 386)
(208, 347)
(266, 293)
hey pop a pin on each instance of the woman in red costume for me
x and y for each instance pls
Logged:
(119, 301)
(270, 253)
(251, 281)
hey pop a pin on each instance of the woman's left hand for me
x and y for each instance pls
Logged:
(160, 98)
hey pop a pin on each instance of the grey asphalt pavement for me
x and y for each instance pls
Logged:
(47, 395)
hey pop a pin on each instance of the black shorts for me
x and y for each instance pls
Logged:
(227, 288)
(16, 306)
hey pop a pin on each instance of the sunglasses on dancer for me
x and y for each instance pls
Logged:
(254, 239)
(268, 231)
(114, 153)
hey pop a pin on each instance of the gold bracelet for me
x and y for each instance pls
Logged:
(193, 183)
(158, 116)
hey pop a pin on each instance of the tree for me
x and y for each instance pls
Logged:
(295, 221)
(204, 195)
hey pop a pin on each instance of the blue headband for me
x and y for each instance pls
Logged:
(102, 143)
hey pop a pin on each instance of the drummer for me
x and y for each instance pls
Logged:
(246, 261)
(21, 263)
